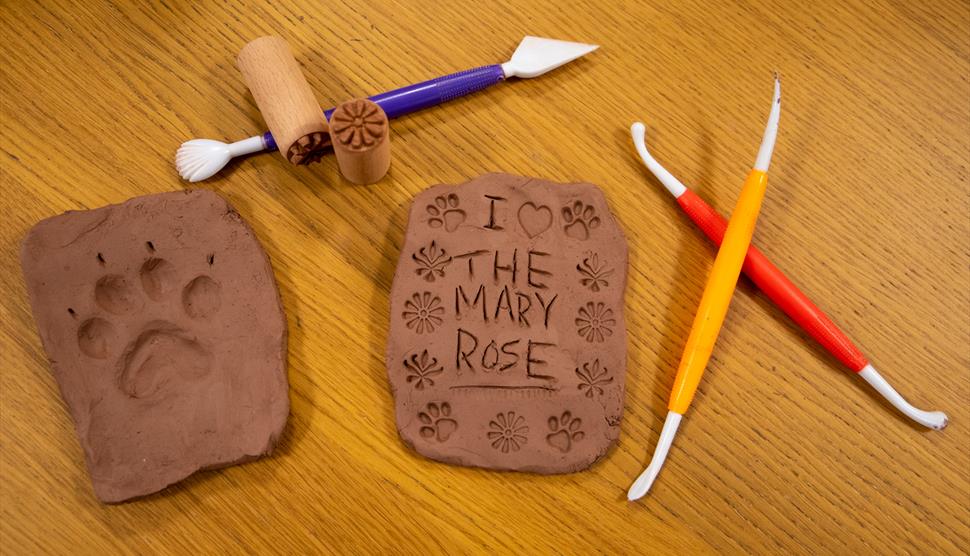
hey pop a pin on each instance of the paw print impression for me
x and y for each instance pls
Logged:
(444, 212)
(436, 422)
(158, 355)
(565, 431)
(579, 220)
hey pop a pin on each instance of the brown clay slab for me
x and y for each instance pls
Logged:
(507, 345)
(164, 328)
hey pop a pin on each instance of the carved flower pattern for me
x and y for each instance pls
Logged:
(359, 124)
(421, 368)
(508, 432)
(431, 262)
(309, 148)
(595, 322)
(423, 312)
(592, 378)
(594, 273)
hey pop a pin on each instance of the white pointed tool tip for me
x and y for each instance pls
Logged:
(936, 420)
(646, 479)
(673, 185)
(771, 130)
(536, 55)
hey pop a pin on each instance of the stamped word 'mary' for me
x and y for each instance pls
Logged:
(507, 344)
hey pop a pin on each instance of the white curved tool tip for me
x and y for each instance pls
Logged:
(673, 185)
(646, 479)
(200, 159)
(933, 419)
(771, 130)
(536, 56)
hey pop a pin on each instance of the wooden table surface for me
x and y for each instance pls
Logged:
(783, 451)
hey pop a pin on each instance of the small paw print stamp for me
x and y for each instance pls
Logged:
(436, 422)
(566, 430)
(445, 212)
(579, 220)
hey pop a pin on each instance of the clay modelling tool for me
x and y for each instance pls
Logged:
(284, 98)
(783, 292)
(361, 140)
(716, 298)
(201, 159)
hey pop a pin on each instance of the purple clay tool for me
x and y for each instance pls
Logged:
(201, 159)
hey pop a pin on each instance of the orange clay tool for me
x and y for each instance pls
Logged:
(716, 298)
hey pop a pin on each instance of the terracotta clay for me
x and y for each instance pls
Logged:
(361, 141)
(164, 328)
(285, 99)
(507, 345)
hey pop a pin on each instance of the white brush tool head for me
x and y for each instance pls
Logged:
(200, 159)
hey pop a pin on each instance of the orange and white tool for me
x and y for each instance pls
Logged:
(721, 283)
(783, 292)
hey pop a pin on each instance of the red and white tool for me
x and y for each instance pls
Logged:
(782, 291)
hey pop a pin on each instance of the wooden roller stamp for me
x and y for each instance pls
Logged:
(361, 140)
(285, 99)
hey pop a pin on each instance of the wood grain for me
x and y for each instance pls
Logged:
(783, 452)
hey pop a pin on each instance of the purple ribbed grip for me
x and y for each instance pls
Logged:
(428, 93)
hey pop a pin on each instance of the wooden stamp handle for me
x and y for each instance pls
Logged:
(285, 99)
(361, 140)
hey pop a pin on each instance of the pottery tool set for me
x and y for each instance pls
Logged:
(735, 255)
(783, 292)
(200, 159)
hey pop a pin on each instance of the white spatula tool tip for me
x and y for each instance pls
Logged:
(643, 483)
(536, 55)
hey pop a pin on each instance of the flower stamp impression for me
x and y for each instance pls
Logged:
(507, 345)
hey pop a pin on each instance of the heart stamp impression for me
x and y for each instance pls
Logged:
(534, 220)
(507, 344)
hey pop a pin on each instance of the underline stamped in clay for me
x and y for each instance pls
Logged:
(166, 336)
(507, 344)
